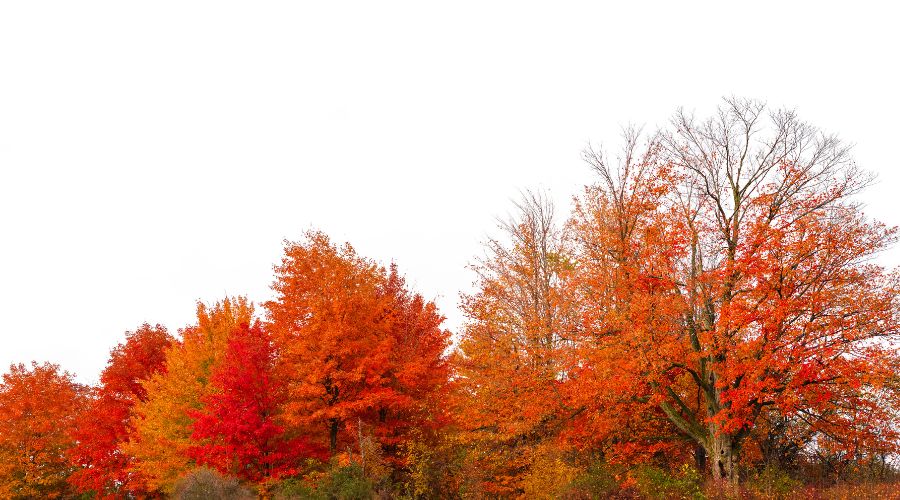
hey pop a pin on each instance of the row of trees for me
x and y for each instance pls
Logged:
(711, 301)
(346, 347)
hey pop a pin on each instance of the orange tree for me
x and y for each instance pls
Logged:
(355, 346)
(727, 271)
(512, 355)
(622, 245)
(38, 407)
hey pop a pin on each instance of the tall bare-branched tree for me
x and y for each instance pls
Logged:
(733, 266)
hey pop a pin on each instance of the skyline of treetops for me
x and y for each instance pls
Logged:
(708, 320)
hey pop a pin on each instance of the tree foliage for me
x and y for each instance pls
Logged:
(238, 431)
(355, 345)
(106, 425)
(730, 273)
(514, 351)
(38, 408)
(164, 422)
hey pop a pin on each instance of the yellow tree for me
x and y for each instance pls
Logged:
(163, 423)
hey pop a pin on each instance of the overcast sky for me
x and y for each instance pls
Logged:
(153, 154)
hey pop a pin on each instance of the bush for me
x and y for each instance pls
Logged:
(347, 483)
(653, 482)
(550, 473)
(433, 468)
(338, 483)
(294, 489)
(204, 483)
(599, 481)
(843, 491)
(773, 482)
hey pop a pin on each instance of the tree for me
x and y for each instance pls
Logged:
(238, 431)
(355, 346)
(418, 370)
(622, 242)
(732, 273)
(38, 407)
(514, 350)
(106, 425)
(163, 422)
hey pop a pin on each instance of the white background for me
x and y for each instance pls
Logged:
(153, 154)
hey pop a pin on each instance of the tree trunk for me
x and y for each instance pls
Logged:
(333, 425)
(723, 461)
(700, 458)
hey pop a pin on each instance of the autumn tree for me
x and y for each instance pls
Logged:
(622, 241)
(163, 423)
(513, 353)
(356, 347)
(734, 275)
(106, 425)
(418, 369)
(38, 408)
(238, 430)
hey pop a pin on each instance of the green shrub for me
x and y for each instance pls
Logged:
(347, 483)
(294, 489)
(773, 482)
(337, 483)
(653, 482)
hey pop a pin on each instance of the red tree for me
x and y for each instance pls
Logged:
(106, 424)
(238, 431)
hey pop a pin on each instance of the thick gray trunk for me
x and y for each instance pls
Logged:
(723, 461)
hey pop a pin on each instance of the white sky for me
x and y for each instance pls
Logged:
(157, 153)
